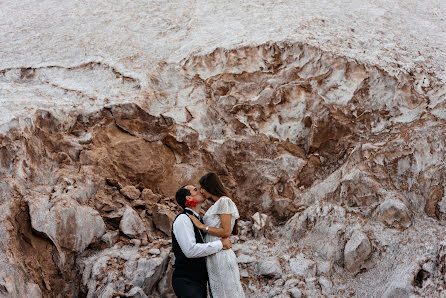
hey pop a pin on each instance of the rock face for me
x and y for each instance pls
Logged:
(334, 155)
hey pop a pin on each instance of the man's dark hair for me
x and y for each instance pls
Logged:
(181, 195)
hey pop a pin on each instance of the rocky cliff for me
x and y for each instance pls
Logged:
(325, 121)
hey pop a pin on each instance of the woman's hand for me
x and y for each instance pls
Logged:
(196, 222)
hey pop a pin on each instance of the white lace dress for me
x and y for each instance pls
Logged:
(224, 276)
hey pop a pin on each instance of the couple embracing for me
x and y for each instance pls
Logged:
(201, 246)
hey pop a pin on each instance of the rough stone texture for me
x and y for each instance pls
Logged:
(130, 192)
(260, 224)
(357, 249)
(302, 266)
(163, 218)
(325, 117)
(115, 268)
(131, 224)
(110, 238)
(68, 224)
(394, 214)
(269, 267)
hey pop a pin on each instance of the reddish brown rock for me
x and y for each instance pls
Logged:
(163, 218)
(394, 214)
(130, 192)
(148, 196)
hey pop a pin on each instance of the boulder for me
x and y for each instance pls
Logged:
(130, 192)
(149, 271)
(131, 224)
(394, 214)
(356, 251)
(149, 197)
(163, 218)
(68, 224)
(260, 224)
(269, 267)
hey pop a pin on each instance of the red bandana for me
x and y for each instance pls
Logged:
(191, 203)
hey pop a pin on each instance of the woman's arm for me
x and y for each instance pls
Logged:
(224, 231)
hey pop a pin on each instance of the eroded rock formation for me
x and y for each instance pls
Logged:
(337, 168)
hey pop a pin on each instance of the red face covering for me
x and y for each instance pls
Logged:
(191, 203)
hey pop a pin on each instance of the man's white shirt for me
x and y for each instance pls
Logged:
(183, 228)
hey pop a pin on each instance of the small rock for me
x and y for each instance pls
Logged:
(131, 224)
(113, 182)
(269, 267)
(136, 242)
(325, 267)
(356, 251)
(136, 292)
(148, 196)
(144, 242)
(291, 283)
(130, 192)
(302, 266)
(154, 251)
(281, 206)
(244, 273)
(394, 214)
(326, 285)
(295, 293)
(138, 203)
(260, 223)
(245, 259)
(110, 238)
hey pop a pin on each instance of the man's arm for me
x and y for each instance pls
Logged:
(184, 233)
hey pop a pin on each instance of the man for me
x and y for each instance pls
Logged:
(190, 275)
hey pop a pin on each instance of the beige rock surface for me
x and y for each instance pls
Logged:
(322, 119)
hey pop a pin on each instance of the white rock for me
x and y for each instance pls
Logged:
(149, 271)
(244, 273)
(154, 251)
(399, 290)
(295, 293)
(269, 267)
(356, 251)
(302, 266)
(110, 238)
(326, 285)
(136, 292)
(291, 283)
(131, 224)
(325, 267)
(260, 223)
(244, 259)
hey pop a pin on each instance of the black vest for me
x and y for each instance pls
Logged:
(190, 268)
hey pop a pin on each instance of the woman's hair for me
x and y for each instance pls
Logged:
(212, 184)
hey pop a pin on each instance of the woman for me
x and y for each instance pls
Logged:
(219, 222)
